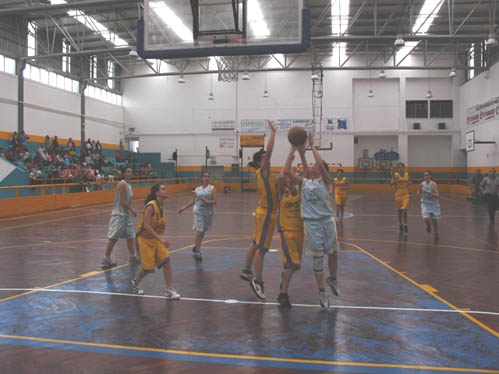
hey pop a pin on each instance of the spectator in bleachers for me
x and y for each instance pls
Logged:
(46, 142)
(93, 146)
(42, 152)
(23, 138)
(70, 145)
(88, 145)
(55, 145)
(98, 147)
(11, 155)
(13, 140)
(2, 154)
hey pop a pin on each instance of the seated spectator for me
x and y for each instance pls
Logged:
(88, 145)
(119, 157)
(42, 152)
(46, 143)
(11, 155)
(55, 145)
(94, 148)
(2, 154)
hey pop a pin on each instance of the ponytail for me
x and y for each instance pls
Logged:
(152, 194)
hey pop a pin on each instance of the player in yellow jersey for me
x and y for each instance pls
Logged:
(265, 215)
(341, 186)
(151, 246)
(291, 235)
(400, 181)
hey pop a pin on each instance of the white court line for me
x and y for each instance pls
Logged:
(232, 301)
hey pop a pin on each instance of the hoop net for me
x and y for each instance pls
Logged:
(228, 68)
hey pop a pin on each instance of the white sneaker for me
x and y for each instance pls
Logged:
(136, 288)
(257, 287)
(324, 300)
(171, 293)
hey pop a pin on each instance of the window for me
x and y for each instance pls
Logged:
(76, 86)
(32, 38)
(35, 73)
(53, 79)
(44, 76)
(93, 66)
(10, 65)
(441, 109)
(416, 109)
(27, 72)
(2, 63)
(66, 60)
(471, 61)
(111, 69)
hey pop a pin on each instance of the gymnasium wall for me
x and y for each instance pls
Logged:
(165, 113)
(478, 91)
(52, 111)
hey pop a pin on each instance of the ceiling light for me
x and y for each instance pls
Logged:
(429, 94)
(452, 73)
(181, 79)
(314, 77)
(265, 93)
(370, 94)
(491, 41)
(133, 53)
(210, 96)
(399, 42)
(382, 74)
(245, 76)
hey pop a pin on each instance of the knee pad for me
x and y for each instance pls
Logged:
(318, 264)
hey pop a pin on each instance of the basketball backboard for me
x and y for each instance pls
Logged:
(200, 28)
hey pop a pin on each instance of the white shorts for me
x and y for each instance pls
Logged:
(202, 222)
(320, 236)
(430, 211)
(121, 227)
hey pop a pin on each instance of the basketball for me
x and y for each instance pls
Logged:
(297, 136)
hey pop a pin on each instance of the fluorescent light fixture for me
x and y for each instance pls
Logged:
(93, 24)
(426, 16)
(171, 20)
(491, 41)
(245, 76)
(370, 94)
(133, 53)
(382, 74)
(429, 94)
(256, 20)
(399, 42)
(181, 79)
(210, 96)
(452, 73)
(265, 93)
(340, 10)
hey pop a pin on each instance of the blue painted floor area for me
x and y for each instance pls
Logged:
(412, 338)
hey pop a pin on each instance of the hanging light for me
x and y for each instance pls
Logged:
(399, 42)
(210, 96)
(371, 92)
(181, 79)
(452, 73)
(265, 92)
(382, 74)
(314, 77)
(491, 41)
(429, 95)
(245, 76)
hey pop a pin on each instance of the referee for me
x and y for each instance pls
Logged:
(490, 189)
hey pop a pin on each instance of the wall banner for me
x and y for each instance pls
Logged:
(307, 123)
(257, 126)
(484, 112)
(333, 124)
(223, 125)
(283, 124)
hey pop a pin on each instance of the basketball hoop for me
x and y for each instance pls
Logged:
(228, 68)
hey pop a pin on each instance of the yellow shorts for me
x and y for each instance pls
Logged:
(152, 253)
(264, 228)
(402, 201)
(291, 248)
(340, 199)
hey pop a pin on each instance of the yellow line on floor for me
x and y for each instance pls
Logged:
(427, 290)
(248, 357)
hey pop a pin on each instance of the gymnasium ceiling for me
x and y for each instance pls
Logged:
(372, 29)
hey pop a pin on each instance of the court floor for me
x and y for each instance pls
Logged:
(407, 305)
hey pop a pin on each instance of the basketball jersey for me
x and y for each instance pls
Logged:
(200, 207)
(402, 184)
(315, 202)
(338, 184)
(426, 198)
(289, 210)
(267, 191)
(118, 209)
(157, 223)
